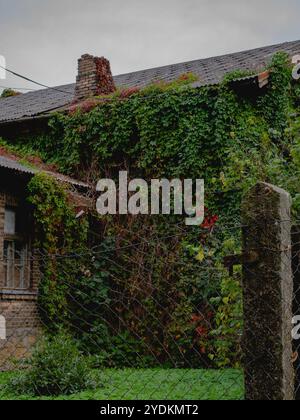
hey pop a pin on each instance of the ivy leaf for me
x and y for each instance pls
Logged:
(201, 255)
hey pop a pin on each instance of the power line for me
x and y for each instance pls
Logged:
(33, 81)
(143, 98)
(101, 100)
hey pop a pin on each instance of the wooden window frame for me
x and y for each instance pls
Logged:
(24, 281)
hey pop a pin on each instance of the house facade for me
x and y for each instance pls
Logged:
(20, 273)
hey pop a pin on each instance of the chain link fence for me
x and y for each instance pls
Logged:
(158, 317)
(145, 308)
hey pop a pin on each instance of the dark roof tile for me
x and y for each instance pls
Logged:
(15, 166)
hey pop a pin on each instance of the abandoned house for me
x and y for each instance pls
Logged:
(29, 114)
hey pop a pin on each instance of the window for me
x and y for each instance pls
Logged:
(2, 328)
(10, 222)
(16, 253)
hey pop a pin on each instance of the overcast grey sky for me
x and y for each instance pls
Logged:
(43, 39)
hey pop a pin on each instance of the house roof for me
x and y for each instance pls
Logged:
(17, 167)
(209, 70)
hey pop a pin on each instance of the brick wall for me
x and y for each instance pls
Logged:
(18, 307)
(22, 328)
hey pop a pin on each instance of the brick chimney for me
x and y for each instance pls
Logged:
(94, 77)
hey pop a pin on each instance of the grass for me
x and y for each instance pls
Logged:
(155, 384)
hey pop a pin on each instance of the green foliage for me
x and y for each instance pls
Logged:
(21, 150)
(238, 74)
(59, 233)
(228, 327)
(125, 351)
(231, 139)
(7, 93)
(276, 105)
(56, 367)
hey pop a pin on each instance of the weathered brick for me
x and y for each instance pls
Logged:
(94, 77)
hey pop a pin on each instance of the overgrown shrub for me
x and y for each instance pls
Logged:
(56, 367)
(125, 351)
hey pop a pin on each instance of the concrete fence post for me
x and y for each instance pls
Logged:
(268, 294)
(296, 304)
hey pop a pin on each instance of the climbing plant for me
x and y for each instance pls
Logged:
(58, 234)
(232, 136)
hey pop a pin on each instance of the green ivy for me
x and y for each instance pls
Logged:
(230, 138)
(58, 234)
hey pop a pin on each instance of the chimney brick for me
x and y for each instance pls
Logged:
(94, 77)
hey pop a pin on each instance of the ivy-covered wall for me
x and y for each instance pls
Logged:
(230, 137)
(163, 289)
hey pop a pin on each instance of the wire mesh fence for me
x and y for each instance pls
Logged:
(146, 309)
(161, 314)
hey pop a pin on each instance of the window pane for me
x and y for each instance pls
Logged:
(17, 265)
(10, 222)
(21, 266)
(9, 263)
